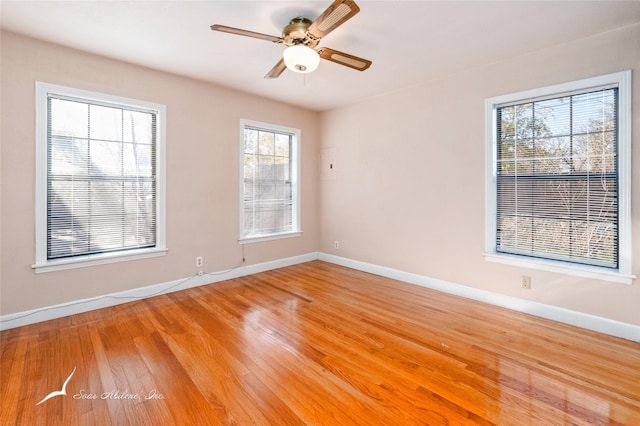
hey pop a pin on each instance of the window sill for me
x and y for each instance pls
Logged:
(97, 259)
(269, 237)
(585, 271)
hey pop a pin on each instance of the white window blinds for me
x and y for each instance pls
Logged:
(101, 170)
(557, 178)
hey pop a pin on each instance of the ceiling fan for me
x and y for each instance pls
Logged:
(302, 36)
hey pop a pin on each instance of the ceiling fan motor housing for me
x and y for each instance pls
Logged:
(297, 33)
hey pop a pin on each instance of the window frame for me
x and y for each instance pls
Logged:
(295, 184)
(622, 274)
(42, 263)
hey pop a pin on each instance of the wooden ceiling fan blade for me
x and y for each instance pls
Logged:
(337, 14)
(276, 70)
(247, 33)
(345, 59)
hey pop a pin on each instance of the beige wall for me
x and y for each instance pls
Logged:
(408, 194)
(409, 188)
(202, 174)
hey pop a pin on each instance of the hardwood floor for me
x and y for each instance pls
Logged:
(315, 344)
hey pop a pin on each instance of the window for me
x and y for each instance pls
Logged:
(558, 178)
(268, 181)
(99, 178)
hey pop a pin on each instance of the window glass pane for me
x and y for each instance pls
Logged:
(68, 156)
(250, 166)
(68, 211)
(138, 127)
(70, 118)
(551, 117)
(266, 143)
(266, 168)
(105, 123)
(251, 141)
(282, 146)
(106, 158)
(137, 160)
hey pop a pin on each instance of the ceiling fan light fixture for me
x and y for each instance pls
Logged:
(300, 58)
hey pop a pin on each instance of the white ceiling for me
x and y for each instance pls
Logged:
(409, 42)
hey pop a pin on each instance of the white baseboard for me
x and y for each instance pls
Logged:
(579, 319)
(85, 305)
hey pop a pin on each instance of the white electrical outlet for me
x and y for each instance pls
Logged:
(336, 245)
(526, 282)
(199, 262)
